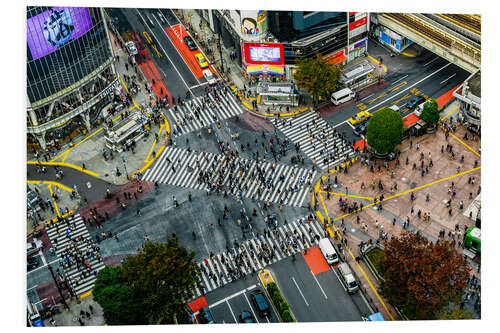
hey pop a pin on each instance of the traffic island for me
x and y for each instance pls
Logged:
(279, 304)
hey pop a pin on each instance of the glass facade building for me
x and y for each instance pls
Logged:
(69, 61)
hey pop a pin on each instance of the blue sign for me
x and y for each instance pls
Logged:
(359, 44)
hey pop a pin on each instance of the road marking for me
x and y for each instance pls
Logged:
(158, 53)
(315, 279)
(148, 38)
(352, 126)
(402, 91)
(230, 309)
(345, 121)
(447, 79)
(180, 55)
(338, 277)
(40, 253)
(50, 263)
(431, 61)
(378, 97)
(171, 62)
(232, 296)
(368, 96)
(199, 85)
(366, 302)
(398, 80)
(399, 100)
(251, 308)
(449, 113)
(300, 291)
(400, 85)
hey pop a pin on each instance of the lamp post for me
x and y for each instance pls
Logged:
(58, 287)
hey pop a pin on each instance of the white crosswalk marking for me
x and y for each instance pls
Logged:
(193, 115)
(74, 237)
(243, 260)
(281, 182)
(310, 132)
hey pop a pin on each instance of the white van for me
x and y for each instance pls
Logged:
(419, 109)
(328, 251)
(348, 277)
(342, 96)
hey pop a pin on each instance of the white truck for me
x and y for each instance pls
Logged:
(328, 251)
(348, 278)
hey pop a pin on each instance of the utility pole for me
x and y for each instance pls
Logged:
(58, 288)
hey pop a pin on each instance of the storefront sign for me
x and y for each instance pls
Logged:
(357, 23)
(359, 44)
(264, 53)
(109, 89)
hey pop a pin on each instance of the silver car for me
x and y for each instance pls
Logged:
(34, 246)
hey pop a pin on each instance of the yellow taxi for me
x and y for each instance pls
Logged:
(201, 60)
(359, 117)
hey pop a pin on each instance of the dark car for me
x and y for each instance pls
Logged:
(417, 100)
(361, 128)
(190, 43)
(260, 302)
(205, 316)
(247, 318)
(32, 263)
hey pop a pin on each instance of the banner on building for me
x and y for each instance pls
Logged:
(253, 22)
(264, 54)
(357, 23)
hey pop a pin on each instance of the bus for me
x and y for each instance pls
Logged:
(473, 239)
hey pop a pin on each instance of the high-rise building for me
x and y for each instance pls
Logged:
(70, 71)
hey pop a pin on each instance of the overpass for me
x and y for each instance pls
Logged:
(455, 37)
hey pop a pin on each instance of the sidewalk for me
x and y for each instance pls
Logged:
(70, 318)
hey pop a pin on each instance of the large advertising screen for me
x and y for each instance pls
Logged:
(47, 31)
(264, 53)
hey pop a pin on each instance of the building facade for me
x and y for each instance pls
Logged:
(338, 36)
(469, 96)
(70, 71)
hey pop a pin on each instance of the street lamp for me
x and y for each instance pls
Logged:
(58, 288)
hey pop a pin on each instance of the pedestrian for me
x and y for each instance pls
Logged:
(91, 309)
(138, 212)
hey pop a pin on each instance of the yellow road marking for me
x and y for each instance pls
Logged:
(348, 195)
(151, 161)
(47, 182)
(359, 266)
(449, 113)
(157, 52)
(82, 141)
(69, 165)
(378, 97)
(466, 145)
(88, 293)
(148, 38)
(54, 201)
(399, 100)
(396, 87)
(124, 85)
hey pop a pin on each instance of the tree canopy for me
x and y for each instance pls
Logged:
(158, 281)
(421, 277)
(317, 77)
(430, 113)
(385, 130)
(456, 314)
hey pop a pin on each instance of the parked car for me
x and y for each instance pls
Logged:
(247, 318)
(201, 60)
(34, 246)
(205, 316)
(131, 48)
(361, 128)
(415, 101)
(190, 43)
(359, 117)
(261, 303)
(32, 263)
(211, 78)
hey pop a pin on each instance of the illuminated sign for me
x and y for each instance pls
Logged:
(357, 23)
(264, 53)
(49, 30)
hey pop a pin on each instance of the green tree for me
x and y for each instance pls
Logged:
(456, 314)
(385, 130)
(430, 113)
(165, 276)
(117, 298)
(317, 77)
(421, 277)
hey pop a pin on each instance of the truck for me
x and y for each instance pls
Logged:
(348, 278)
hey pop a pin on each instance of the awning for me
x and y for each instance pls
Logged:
(336, 60)
(410, 120)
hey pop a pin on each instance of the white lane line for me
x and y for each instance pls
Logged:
(43, 258)
(431, 61)
(315, 279)
(251, 308)
(198, 85)
(300, 291)
(366, 301)
(369, 96)
(408, 88)
(447, 79)
(36, 269)
(397, 81)
(171, 62)
(338, 277)
(230, 309)
(232, 296)
(345, 121)
(349, 123)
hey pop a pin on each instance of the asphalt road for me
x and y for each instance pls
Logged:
(316, 298)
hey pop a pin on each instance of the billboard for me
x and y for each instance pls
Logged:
(47, 31)
(264, 53)
(253, 22)
(357, 23)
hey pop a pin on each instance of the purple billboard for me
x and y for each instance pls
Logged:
(47, 31)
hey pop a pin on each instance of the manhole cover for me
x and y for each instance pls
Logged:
(413, 185)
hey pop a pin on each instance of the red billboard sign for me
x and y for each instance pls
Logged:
(357, 23)
(264, 53)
